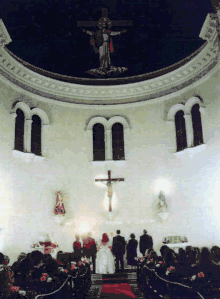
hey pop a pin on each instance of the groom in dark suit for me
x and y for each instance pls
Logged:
(118, 249)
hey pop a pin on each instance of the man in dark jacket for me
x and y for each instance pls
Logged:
(91, 249)
(118, 250)
(146, 242)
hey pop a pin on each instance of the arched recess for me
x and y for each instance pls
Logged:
(195, 108)
(108, 133)
(39, 127)
(90, 133)
(189, 124)
(22, 128)
(29, 113)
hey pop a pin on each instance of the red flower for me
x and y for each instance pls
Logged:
(160, 262)
(13, 288)
(151, 260)
(44, 276)
(79, 263)
(171, 268)
(148, 256)
(66, 271)
(84, 262)
(201, 274)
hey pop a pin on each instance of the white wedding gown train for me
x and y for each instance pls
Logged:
(105, 263)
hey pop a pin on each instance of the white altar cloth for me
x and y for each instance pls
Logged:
(176, 246)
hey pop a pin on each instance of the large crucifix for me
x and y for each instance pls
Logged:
(109, 181)
(101, 40)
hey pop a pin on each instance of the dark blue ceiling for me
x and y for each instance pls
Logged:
(45, 33)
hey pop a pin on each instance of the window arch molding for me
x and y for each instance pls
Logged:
(173, 110)
(24, 107)
(107, 123)
(191, 102)
(43, 116)
(28, 124)
(186, 108)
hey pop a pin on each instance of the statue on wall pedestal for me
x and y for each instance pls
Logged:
(59, 208)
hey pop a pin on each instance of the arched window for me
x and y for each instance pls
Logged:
(118, 152)
(181, 140)
(98, 142)
(19, 130)
(197, 125)
(36, 135)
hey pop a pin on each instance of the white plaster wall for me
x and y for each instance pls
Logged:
(27, 190)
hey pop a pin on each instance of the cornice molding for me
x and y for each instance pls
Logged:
(57, 90)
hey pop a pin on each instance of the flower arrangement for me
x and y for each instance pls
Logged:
(184, 239)
(44, 277)
(169, 270)
(199, 275)
(13, 288)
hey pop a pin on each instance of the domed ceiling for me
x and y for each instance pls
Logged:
(65, 37)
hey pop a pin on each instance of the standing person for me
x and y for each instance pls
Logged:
(118, 249)
(77, 248)
(146, 242)
(105, 261)
(132, 250)
(91, 249)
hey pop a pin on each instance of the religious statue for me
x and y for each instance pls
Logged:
(162, 205)
(102, 43)
(59, 208)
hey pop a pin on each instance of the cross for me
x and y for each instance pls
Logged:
(104, 15)
(109, 181)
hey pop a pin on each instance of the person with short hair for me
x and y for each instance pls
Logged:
(77, 247)
(146, 242)
(118, 249)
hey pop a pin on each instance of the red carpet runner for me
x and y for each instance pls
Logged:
(122, 288)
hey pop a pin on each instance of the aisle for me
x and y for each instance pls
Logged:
(120, 285)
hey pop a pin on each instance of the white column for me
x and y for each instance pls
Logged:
(27, 135)
(202, 113)
(189, 130)
(172, 125)
(13, 115)
(108, 144)
(44, 138)
(126, 138)
(90, 140)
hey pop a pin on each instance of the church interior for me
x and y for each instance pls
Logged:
(116, 129)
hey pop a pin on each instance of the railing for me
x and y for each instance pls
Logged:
(155, 286)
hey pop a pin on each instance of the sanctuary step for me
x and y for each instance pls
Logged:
(100, 283)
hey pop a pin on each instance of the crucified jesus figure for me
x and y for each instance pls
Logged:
(102, 43)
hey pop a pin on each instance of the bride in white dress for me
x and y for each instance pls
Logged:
(105, 263)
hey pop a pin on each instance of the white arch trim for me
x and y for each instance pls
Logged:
(97, 120)
(107, 123)
(24, 107)
(173, 110)
(118, 119)
(43, 116)
(189, 104)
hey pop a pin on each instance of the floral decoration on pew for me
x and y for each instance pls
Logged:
(171, 269)
(44, 277)
(199, 275)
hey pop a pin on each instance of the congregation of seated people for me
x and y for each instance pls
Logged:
(36, 274)
(193, 270)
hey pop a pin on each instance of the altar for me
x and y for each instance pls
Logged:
(45, 248)
(176, 246)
